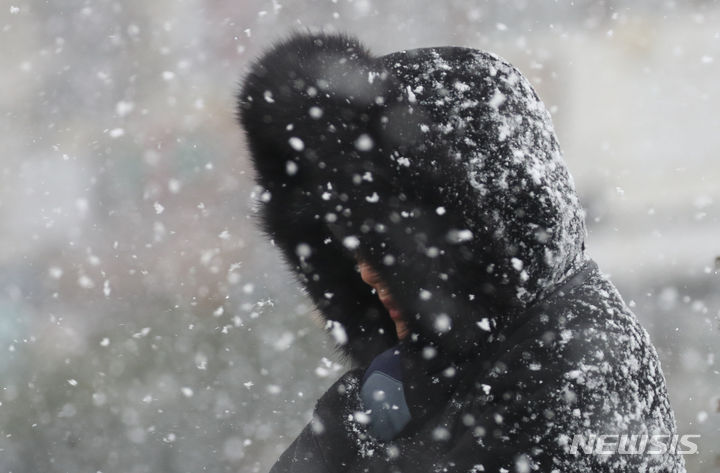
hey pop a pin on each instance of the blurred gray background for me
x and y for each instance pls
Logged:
(146, 325)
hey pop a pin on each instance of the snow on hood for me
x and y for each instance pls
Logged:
(439, 166)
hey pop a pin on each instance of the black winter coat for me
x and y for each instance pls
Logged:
(441, 168)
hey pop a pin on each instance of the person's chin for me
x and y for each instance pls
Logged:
(395, 314)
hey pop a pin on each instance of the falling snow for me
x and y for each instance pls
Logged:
(143, 311)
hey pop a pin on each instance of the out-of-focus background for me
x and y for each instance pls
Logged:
(146, 325)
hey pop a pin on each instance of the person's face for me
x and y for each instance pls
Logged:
(372, 278)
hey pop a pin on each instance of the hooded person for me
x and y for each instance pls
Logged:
(440, 169)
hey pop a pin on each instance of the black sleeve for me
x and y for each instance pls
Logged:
(328, 442)
(303, 455)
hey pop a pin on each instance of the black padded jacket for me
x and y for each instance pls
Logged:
(441, 168)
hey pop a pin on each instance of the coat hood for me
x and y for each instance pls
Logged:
(438, 166)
